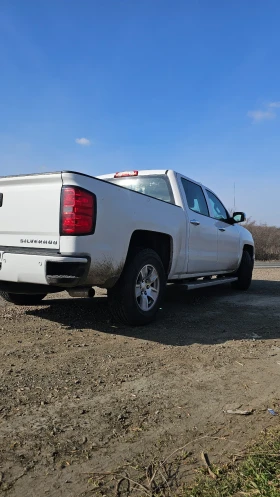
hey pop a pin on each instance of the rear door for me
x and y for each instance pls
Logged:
(202, 244)
(30, 212)
(228, 234)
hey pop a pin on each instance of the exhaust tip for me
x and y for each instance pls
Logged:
(91, 293)
(85, 293)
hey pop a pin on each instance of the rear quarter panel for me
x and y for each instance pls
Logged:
(119, 213)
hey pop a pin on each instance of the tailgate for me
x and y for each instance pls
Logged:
(30, 211)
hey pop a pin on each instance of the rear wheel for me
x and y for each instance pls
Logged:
(137, 296)
(244, 272)
(22, 299)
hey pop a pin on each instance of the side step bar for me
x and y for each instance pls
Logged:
(205, 283)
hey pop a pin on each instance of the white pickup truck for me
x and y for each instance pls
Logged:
(129, 232)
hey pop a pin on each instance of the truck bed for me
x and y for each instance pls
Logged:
(30, 224)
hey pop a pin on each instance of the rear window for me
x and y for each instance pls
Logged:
(154, 186)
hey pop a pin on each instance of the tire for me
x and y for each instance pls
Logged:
(128, 301)
(244, 273)
(21, 298)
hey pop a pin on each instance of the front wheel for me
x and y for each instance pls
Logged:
(137, 296)
(21, 298)
(244, 272)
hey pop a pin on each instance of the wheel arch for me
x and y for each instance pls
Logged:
(250, 249)
(161, 243)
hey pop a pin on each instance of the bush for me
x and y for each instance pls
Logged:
(267, 240)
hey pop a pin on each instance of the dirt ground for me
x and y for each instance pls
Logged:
(80, 396)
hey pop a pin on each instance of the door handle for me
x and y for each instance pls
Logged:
(195, 222)
(222, 229)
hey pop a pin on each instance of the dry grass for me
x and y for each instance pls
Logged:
(256, 474)
(267, 240)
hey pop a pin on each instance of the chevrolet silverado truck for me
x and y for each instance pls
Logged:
(130, 233)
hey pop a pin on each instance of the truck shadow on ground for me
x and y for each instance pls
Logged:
(209, 316)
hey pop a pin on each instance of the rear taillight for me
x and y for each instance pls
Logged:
(78, 211)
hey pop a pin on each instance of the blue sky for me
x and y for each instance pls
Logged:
(191, 85)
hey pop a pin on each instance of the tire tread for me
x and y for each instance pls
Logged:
(244, 273)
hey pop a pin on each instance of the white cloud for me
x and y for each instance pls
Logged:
(261, 115)
(275, 105)
(83, 141)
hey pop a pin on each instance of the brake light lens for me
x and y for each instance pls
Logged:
(78, 208)
(125, 174)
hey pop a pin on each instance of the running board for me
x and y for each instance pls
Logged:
(205, 283)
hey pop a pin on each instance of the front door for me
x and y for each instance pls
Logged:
(228, 235)
(202, 243)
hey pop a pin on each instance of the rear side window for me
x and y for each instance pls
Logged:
(217, 210)
(153, 186)
(195, 197)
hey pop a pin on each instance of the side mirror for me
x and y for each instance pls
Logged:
(239, 217)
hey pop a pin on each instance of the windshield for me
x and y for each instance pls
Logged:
(154, 186)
